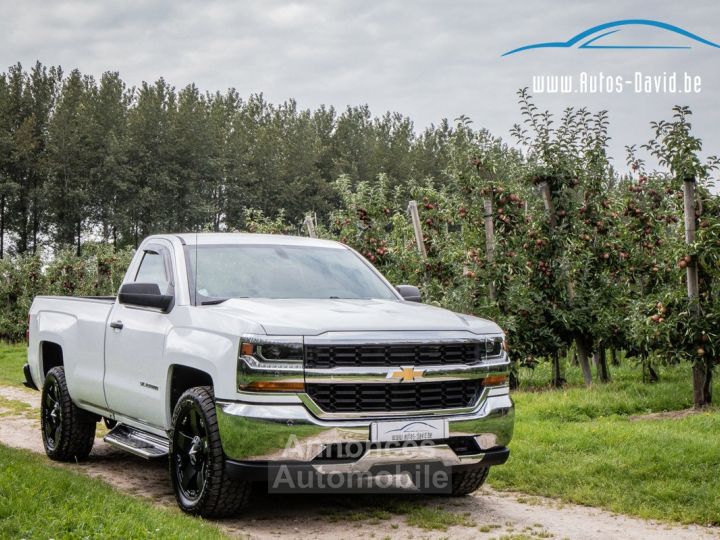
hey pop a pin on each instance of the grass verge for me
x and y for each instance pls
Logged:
(38, 501)
(12, 358)
(579, 445)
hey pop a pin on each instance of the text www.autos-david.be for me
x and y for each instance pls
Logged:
(602, 83)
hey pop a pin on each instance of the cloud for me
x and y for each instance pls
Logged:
(427, 59)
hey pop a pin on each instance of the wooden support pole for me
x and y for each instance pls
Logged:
(310, 226)
(547, 199)
(690, 221)
(489, 241)
(703, 365)
(415, 216)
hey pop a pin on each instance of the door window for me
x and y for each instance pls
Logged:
(153, 270)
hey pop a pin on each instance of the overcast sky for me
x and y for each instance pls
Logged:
(426, 59)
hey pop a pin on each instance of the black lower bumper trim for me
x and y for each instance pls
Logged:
(496, 456)
(28, 378)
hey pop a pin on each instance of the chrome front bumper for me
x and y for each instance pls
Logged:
(271, 432)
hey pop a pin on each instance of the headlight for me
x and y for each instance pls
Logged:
(271, 364)
(494, 346)
(275, 350)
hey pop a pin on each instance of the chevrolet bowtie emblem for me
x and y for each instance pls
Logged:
(406, 374)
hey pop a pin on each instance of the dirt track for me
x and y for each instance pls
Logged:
(487, 514)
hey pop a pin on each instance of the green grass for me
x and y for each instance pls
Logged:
(426, 512)
(12, 407)
(41, 501)
(426, 515)
(431, 517)
(12, 358)
(626, 394)
(582, 446)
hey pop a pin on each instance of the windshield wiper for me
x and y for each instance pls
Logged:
(213, 302)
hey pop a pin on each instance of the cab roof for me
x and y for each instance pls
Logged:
(202, 239)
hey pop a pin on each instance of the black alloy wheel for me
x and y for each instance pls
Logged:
(52, 415)
(68, 432)
(197, 460)
(191, 455)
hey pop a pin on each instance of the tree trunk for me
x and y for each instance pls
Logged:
(614, 358)
(35, 216)
(702, 382)
(2, 226)
(514, 380)
(583, 353)
(79, 236)
(21, 246)
(602, 367)
(557, 379)
(652, 374)
(489, 241)
(649, 374)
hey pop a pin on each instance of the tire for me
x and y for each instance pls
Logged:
(68, 432)
(465, 482)
(197, 461)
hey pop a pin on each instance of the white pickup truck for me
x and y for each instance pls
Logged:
(242, 358)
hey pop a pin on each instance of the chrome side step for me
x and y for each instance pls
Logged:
(140, 443)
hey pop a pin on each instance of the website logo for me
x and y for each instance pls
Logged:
(597, 38)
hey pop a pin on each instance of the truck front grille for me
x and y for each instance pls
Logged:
(380, 397)
(435, 354)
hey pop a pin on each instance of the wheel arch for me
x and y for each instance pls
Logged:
(48, 345)
(209, 358)
(51, 355)
(182, 377)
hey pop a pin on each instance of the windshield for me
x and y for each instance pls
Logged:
(276, 271)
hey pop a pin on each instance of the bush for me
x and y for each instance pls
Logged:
(98, 272)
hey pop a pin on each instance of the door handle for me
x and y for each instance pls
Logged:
(118, 325)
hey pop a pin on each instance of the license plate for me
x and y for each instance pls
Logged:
(408, 430)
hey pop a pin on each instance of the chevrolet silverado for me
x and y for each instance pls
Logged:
(237, 356)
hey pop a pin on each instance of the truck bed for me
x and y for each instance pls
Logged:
(103, 299)
(78, 325)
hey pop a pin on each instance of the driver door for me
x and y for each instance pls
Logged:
(135, 372)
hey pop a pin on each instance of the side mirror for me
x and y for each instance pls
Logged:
(409, 292)
(145, 295)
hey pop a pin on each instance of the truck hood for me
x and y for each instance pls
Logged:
(289, 317)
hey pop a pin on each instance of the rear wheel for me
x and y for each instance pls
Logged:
(68, 432)
(197, 461)
(465, 482)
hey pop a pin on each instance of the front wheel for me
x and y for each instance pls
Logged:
(465, 482)
(68, 432)
(197, 461)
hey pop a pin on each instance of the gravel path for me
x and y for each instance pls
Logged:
(486, 514)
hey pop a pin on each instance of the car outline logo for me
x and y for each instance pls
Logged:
(405, 429)
(609, 26)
